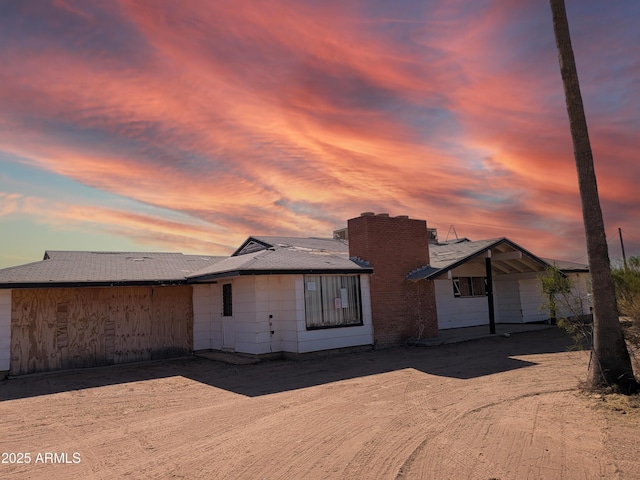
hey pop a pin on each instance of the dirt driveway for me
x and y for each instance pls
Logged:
(498, 408)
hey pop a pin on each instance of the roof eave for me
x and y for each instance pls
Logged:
(77, 284)
(303, 271)
(480, 252)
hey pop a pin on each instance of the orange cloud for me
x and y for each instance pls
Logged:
(291, 117)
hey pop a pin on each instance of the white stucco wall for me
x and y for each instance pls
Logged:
(207, 311)
(264, 304)
(531, 300)
(5, 329)
(578, 302)
(454, 312)
(507, 300)
(517, 299)
(276, 311)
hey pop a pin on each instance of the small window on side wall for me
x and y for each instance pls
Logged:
(466, 287)
(227, 300)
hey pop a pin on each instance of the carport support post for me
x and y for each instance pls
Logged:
(492, 316)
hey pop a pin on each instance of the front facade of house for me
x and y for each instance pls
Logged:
(283, 295)
(390, 282)
(266, 314)
(83, 309)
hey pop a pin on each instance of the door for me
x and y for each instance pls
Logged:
(228, 326)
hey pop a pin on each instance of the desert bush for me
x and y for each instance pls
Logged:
(565, 304)
(627, 280)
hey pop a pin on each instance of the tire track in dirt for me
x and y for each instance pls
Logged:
(465, 411)
(520, 438)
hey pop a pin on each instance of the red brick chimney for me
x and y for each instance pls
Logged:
(394, 247)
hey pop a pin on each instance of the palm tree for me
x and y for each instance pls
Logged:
(611, 364)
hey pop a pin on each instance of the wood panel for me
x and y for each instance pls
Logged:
(33, 331)
(131, 314)
(87, 312)
(82, 327)
(172, 328)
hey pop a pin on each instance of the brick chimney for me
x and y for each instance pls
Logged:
(395, 246)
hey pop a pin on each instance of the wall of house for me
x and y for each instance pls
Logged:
(578, 301)
(277, 311)
(507, 299)
(455, 312)
(61, 328)
(531, 299)
(395, 246)
(269, 317)
(330, 338)
(517, 299)
(5, 330)
(261, 304)
(580, 295)
(207, 315)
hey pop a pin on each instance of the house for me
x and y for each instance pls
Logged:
(80, 309)
(492, 281)
(379, 282)
(282, 295)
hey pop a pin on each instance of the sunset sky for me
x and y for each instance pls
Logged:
(188, 126)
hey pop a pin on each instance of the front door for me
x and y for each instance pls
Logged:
(228, 326)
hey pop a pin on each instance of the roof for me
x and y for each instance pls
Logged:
(268, 255)
(68, 268)
(325, 245)
(567, 267)
(278, 261)
(508, 257)
(279, 255)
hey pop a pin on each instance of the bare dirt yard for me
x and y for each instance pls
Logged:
(497, 408)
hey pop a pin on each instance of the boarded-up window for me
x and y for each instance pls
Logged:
(332, 301)
(227, 300)
(469, 287)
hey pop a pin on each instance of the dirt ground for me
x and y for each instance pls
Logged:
(497, 408)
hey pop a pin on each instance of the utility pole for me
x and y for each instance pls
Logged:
(624, 257)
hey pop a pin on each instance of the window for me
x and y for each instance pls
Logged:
(332, 301)
(227, 304)
(469, 287)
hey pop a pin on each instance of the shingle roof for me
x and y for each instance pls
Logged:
(444, 254)
(449, 255)
(287, 255)
(326, 245)
(104, 268)
(566, 267)
(279, 260)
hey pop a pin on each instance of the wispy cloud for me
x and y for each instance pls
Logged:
(290, 117)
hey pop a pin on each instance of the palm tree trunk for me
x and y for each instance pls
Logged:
(610, 364)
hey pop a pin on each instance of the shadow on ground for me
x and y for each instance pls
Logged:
(464, 360)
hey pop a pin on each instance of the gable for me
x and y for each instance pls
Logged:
(251, 246)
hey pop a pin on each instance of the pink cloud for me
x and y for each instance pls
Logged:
(292, 118)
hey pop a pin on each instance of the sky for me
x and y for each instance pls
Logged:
(189, 126)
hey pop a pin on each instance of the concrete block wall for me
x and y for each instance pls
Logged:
(395, 246)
